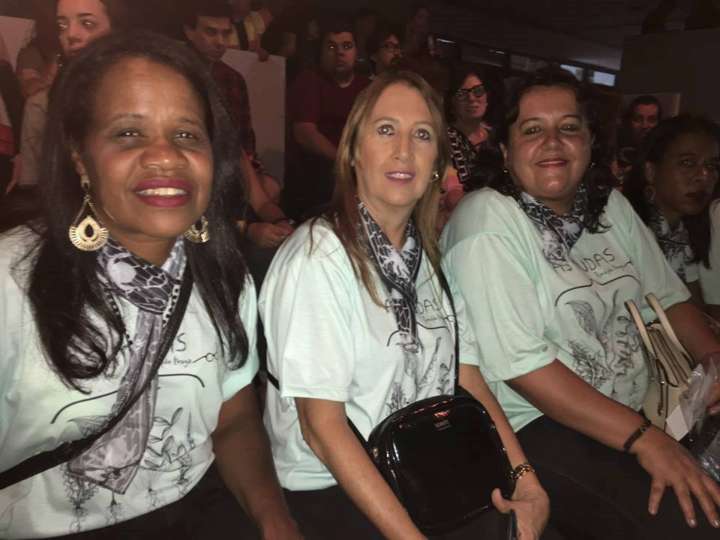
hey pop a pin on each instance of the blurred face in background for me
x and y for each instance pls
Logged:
(388, 54)
(211, 36)
(80, 22)
(685, 178)
(338, 55)
(643, 119)
(471, 100)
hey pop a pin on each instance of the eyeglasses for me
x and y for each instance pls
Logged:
(463, 94)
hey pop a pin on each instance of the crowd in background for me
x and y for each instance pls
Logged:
(418, 190)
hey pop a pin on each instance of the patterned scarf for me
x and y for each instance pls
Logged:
(398, 271)
(559, 233)
(114, 458)
(674, 241)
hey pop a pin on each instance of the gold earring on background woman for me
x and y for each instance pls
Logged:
(89, 234)
(198, 232)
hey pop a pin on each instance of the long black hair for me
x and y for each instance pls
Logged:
(598, 178)
(652, 150)
(76, 326)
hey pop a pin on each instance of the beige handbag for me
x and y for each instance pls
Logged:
(669, 365)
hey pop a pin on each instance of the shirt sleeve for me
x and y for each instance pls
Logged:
(503, 308)
(306, 309)
(710, 277)
(237, 379)
(469, 349)
(304, 99)
(658, 277)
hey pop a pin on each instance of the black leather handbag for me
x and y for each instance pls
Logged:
(441, 456)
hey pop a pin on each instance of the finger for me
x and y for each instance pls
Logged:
(713, 488)
(683, 496)
(500, 502)
(657, 490)
(713, 500)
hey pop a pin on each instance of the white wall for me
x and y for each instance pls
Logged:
(675, 62)
(15, 32)
(266, 86)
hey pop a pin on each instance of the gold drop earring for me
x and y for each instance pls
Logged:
(198, 233)
(89, 234)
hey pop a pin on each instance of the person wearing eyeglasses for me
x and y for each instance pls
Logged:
(671, 187)
(385, 49)
(319, 102)
(476, 156)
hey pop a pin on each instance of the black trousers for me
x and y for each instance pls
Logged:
(208, 512)
(329, 514)
(599, 493)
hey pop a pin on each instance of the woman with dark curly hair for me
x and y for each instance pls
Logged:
(138, 166)
(545, 260)
(671, 186)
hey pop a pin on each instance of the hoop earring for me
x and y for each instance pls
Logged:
(198, 232)
(89, 234)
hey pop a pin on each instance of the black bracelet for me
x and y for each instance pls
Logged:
(636, 435)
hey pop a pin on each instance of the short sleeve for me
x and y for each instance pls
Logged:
(237, 379)
(469, 350)
(503, 308)
(306, 308)
(710, 277)
(304, 99)
(658, 277)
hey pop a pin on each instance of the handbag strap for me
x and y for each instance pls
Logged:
(71, 449)
(665, 322)
(640, 325)
(446, 288)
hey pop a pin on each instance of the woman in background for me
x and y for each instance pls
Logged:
(671, 186)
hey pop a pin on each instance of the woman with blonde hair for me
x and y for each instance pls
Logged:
(359, 325)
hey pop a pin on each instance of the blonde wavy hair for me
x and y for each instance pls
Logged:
(343, 214)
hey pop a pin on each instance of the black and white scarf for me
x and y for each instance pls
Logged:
(673, 241)
(559, 233)
(398, 271)
(113, 460)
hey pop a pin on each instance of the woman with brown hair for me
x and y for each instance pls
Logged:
(359, 326)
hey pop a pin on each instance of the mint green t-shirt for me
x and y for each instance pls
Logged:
(327, 339)
(38, 412)
(525, 314)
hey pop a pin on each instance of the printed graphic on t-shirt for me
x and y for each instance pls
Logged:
(606, 347)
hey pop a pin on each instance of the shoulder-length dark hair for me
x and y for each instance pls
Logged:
(458, 74)
(652, 150)
(343, 212)
(598, 178)
(78, 330)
